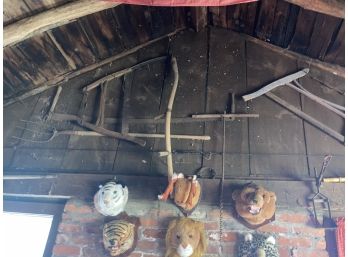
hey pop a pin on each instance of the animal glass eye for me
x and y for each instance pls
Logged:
(190, 236)
(103, 192)
(177, 236)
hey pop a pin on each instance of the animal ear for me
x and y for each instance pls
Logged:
(200, 225)
(235, 194)
(274, 196)
(172, 224)
(248, 237)
(202, 237)
(271, 240)
(266, 197)
(170, 229)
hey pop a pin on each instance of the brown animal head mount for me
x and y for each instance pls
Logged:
(186, 191)
(254, 204)
(185, 238)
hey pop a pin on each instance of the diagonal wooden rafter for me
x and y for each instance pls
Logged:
(59, 80)
(330, 7)
(52, 18)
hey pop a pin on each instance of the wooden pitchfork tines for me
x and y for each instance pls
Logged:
(51, 133)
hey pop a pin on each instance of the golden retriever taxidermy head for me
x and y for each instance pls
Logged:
(185, 238)
(254, 203)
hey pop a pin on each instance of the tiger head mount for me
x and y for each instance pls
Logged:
(119, 237)
(111, 199)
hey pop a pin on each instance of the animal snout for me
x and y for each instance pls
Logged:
(184, 245)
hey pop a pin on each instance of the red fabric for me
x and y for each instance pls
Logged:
(340, 236)
(182, 2)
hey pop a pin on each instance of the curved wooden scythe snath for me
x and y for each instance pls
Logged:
(168, 119)
(173, 177)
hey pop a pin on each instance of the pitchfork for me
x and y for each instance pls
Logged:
(53, 133)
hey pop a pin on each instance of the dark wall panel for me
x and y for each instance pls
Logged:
(277, 144)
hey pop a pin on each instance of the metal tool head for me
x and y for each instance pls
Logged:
(51, 134)
(320, 199)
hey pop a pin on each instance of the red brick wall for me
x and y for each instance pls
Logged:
(80, 232)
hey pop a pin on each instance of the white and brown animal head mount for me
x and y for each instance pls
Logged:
(186, 191)
(185, 238)
(258, 245)
(111, 199)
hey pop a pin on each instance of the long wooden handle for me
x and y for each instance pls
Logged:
(143, 135)
(120, 73)
(54, 103)
(184, 137)
(168, 118)
(329, 131)
(334, 180)
(110, 133)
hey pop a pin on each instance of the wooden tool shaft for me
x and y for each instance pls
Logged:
(334, 180)
(54, 103)
(168, 118)
(144, 135)
(306, 117)
(227, 116)
(111, 133)
(120, 73)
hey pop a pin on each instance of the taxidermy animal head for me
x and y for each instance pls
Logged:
(185, 238)
(254, 204)
(258, 245)
(111, 199)
(118, 237)
(187, 192)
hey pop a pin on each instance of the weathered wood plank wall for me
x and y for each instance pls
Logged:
(15, 10)
(278, 144)
(95, 37)
(227, 75)
(86, 41)
(285, 25)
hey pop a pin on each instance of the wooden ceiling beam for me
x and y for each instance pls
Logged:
(330, 7)
(52, 18)
(143, 188)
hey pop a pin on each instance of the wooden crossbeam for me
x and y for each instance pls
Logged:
(52, 18)
(64, 186)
